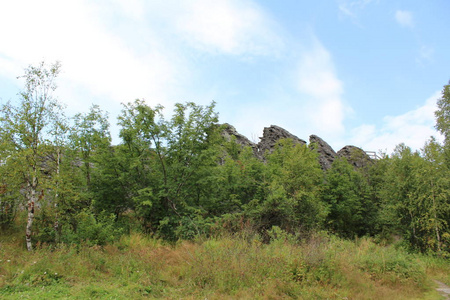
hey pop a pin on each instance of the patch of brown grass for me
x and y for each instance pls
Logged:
(228, 267)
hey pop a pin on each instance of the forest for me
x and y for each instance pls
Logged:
(179, 180)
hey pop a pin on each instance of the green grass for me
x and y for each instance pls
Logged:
(228, 267)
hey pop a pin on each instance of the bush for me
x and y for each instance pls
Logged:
(91, 230)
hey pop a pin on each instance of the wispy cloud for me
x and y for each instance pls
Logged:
(404, 18)
(310, 102)
(94, 57)
(317, 80)
(412, 128)
(227, 27)
(352, 8)
(132, 8)
(138, 57)
(425, 55)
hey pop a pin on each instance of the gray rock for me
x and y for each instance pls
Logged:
(229, 132)
(326, 154)
(271, 135)
(355, 156)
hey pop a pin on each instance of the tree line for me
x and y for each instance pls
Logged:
(179, 178)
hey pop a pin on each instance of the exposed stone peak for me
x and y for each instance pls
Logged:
(355, 156)
(230, 131)
(326, 154)
(271, 135)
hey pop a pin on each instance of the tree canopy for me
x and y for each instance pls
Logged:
(179, 178)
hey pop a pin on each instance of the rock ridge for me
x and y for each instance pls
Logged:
(272, 134)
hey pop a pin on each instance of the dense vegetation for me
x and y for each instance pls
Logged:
(179, 179)
(222, 267)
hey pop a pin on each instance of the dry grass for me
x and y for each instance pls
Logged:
(138, 267)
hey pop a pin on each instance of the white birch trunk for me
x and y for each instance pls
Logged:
(31, 203)
(58, 166)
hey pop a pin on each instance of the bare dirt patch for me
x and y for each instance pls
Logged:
(443, 289)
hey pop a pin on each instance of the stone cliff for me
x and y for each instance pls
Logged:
(354, 155)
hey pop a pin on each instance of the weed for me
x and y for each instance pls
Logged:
(226, 267)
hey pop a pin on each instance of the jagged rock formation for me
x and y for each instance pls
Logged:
(355, 156)
(229, 131)
(326, 154)
(270, 137)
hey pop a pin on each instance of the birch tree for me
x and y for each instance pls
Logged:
(28, 126)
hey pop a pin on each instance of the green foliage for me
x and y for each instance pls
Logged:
(348, 195)
(91, 230)
(414, 196)
(90, 133)
(179, 178)
(139, 267)
(433, 195)
(292, 190)
(30, 123)
(162, 167)
(390, 264)
(236, 183)
(10, 197)
(443, 113)
(29, 130)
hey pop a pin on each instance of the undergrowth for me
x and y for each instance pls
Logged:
(225, 267)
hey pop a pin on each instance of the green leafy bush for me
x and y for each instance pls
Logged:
(91, 230)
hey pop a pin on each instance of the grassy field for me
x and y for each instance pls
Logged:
(227, 267)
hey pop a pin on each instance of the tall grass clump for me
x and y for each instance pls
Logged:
(228, 266)
(389, 264)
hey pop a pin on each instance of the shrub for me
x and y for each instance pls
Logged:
(91, 230)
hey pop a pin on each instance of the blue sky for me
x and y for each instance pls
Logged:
(359, 72)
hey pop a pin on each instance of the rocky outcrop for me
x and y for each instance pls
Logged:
(271, 135)
(355, 156)
(326, 154)
(229, 132)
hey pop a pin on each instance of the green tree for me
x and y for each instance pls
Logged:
(89, 133)
(416, 196)
(71, 152)
(443, 113)
(348, 195)
(161, 164)
(401, 184)
(10, 186)
(237, 181)
(27, 128)
(293, 181)
(433, 195)
(385, 224)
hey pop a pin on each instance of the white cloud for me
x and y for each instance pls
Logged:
(313, 104)
(317, 80)
(426, 55)
(128, 49)
(93, 56)
(404, 18)
(133, 8)
(227, 26)
(352, 8)
(412, 128)
(117, 51)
